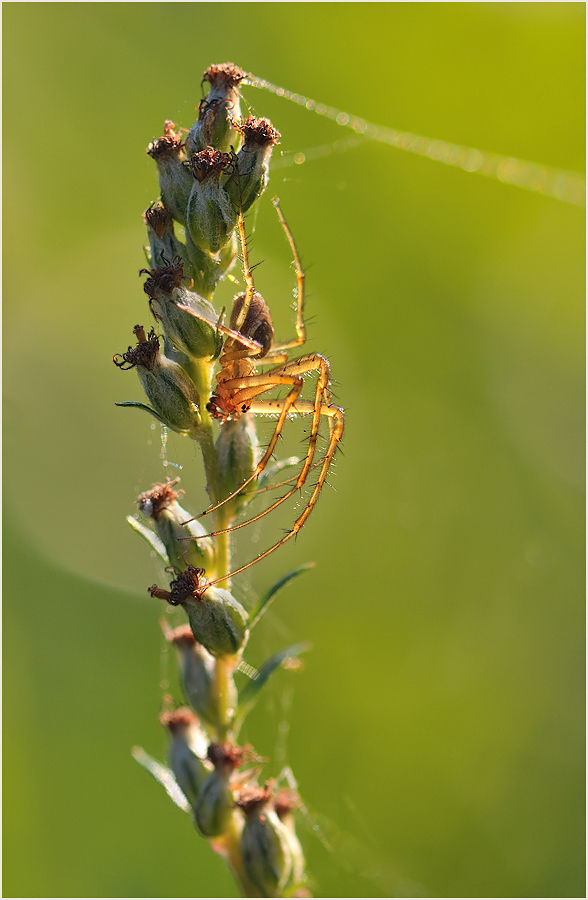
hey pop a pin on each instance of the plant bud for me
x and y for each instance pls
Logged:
(210, 215)
(217, 620)
(161, 504)
(208, 270)
(172, 395)
(187, 755)
(214, 808)
(167, 297)
(248, 180)
(285, 802)
(237, 454)
(175, 182)
(265, 848)
(196, 672)
(163, 243)
(218, 111)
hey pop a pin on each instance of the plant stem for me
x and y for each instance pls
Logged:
(223, 673)
(229, 847)
(201, 374)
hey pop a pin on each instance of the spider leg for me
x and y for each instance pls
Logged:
(316, 408)
(302, 407)
(247, 273)
(336, 435)
(244, 390)
(300, 338)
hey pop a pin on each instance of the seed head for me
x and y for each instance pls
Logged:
(187, 751)
(175, 182)
(197, 673)
(265, 848)
(184, 540)
(249, 177)
(218, 111)
(217, 620)
(172, 394)
(170, 144)
(210, 215)
(184, 315)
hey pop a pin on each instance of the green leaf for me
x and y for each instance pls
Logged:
(144, 406)
(164, 776)
(261, 606)
(248, 695)
(150, 537)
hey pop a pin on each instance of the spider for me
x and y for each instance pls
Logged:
(239, 387)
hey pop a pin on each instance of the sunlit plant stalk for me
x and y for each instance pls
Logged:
(210, 176)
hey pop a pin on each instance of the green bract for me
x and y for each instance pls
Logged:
(210, 214)
(266, 851)
(219, 112)
(171, 394)
(218, 621)
(173, 397)
(175, 182)
(214, 806)
(181, 535)
(187, 752)
(237, 453)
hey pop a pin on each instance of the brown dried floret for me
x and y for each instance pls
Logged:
(227, 757)
(258, 131)
(191, 583)
(144, 354)
(224, 73)
(159, 498)
(164, 279)
(158, 218)
(208, 163)
(285, 802)
(169, 144)
(250, 798)
(181, 635)
(177, 719)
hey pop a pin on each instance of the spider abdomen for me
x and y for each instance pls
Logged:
(258, 322)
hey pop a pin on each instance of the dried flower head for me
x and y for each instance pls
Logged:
(144, 354)
(224, 74)
(169, 144)
(258, 131)
(208, 163)
(158, 498)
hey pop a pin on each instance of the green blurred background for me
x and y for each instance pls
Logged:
(437, 729)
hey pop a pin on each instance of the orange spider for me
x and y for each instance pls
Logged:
(239, 387)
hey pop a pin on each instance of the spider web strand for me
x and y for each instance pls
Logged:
(561, 184)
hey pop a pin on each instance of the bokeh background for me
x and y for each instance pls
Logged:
(437, 728)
